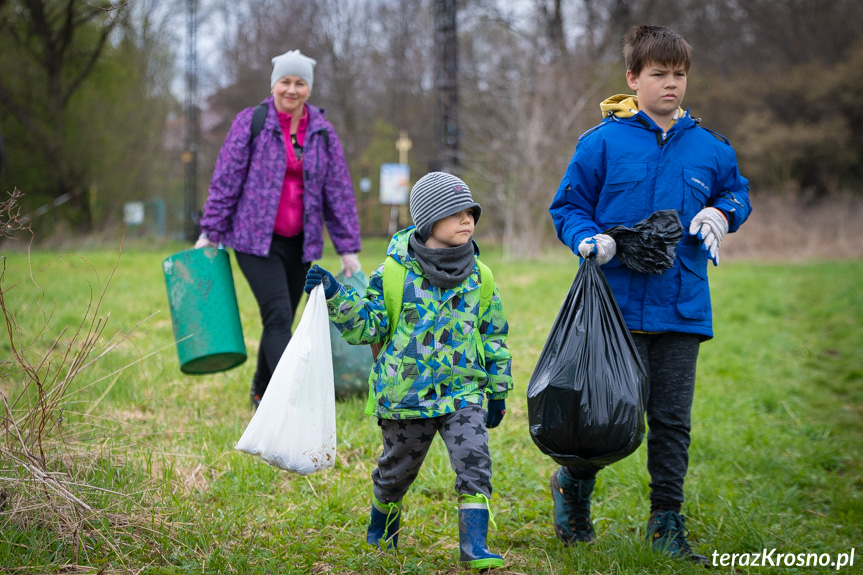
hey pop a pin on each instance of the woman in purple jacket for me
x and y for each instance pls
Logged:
(269, 197)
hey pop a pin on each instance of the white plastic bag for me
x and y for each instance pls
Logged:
(294, 427)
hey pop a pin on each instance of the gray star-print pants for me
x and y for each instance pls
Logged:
(407, 441)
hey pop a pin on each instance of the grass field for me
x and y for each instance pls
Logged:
(775, 458)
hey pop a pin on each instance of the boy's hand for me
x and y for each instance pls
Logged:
(710, 226)
(496, 411)
(318, 275)
(600, 245)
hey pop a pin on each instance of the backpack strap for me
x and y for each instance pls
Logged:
(326, 137)
(258, 120)
(486, 292)
(394, 290)
(486, 287)
(393, 279)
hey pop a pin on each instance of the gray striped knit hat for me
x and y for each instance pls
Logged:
(436, 196)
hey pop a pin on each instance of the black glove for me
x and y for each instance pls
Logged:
(318, 275)
(496, 411)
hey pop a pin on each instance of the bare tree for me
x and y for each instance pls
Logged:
(61, 40)
(552, 18)
(531, 77)
(374, 62)
(526, 102)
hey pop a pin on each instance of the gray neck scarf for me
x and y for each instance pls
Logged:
(445, 267)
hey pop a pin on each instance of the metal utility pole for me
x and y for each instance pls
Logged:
(446, 132)
(190, 154)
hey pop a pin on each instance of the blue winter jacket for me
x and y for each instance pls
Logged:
(624, 170)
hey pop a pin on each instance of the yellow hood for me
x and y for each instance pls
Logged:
(624, 106)
(620, 105)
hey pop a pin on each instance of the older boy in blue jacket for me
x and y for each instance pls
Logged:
(649, 154)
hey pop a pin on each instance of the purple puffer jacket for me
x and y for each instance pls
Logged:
(240, 211)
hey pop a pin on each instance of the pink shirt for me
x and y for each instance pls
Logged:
(289, 216)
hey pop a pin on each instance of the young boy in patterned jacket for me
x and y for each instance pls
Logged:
(444, 355)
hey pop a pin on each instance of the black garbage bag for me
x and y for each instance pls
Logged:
(587, 394)
(648, 246)
(351, 363)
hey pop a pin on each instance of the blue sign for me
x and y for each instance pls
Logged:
(395, 184)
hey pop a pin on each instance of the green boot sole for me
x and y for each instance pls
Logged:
(489, 563)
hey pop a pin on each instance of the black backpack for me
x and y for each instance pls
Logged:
(258, 122)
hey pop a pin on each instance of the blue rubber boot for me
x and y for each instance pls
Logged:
(473, 518)
(383, 530)
(571, 499)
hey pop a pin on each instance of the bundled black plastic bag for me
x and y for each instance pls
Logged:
(649, 246)
(587, 394)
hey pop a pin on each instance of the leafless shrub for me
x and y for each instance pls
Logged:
(10, 216)
(43, 466)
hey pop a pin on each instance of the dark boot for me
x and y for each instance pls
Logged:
(383, 530)
(473, 516)
(256, 393)
(667, 533)
(571, 499)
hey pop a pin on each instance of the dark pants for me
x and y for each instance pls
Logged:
(407, 441)
(277, 282)
(670, 360)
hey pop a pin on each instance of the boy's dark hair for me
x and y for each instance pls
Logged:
(644, 44)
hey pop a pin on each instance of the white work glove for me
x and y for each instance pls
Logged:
(710, 226)
(600, 245)
(351, 264)
(203, 242)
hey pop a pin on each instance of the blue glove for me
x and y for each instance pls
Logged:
(318, 275)
(496, 411)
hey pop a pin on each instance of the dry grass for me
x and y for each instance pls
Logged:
(46, 480)
(791, 227)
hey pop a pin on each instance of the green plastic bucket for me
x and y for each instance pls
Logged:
(204, 310)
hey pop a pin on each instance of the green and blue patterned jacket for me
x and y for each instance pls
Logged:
(432, 365)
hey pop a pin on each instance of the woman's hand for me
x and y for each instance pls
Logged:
(203, 242)
(351, 264)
